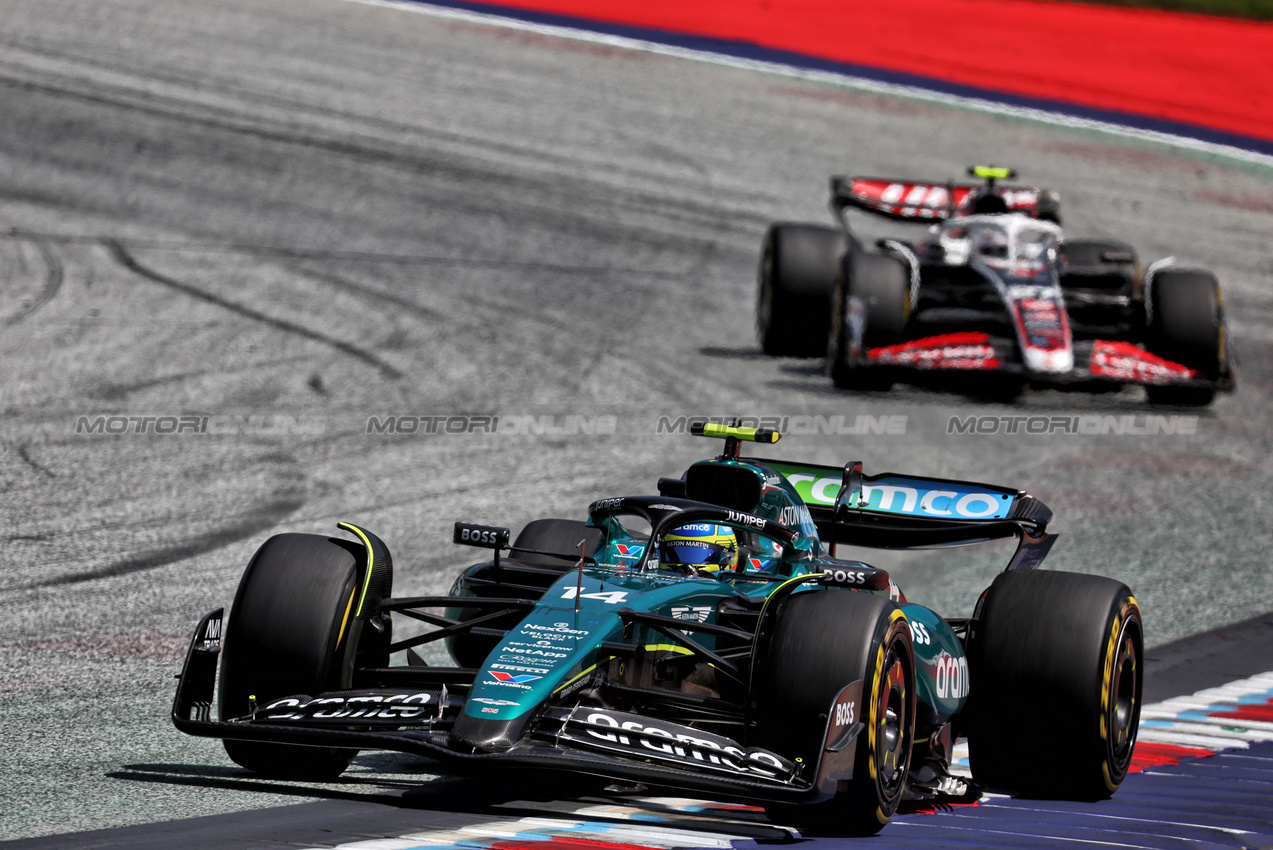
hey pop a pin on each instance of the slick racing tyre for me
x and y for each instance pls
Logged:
(511, 582)
(1101, 281)
(291, 631)
(798, 265)
(1056, 659)
(821, 641)
(882, 288)
(1095, 256)
(1096, 252)
(1185, 324)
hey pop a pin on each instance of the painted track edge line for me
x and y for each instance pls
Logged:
(843, 80)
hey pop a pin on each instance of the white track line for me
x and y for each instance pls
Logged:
(843, 80)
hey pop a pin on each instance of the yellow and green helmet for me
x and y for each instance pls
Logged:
(700, 546)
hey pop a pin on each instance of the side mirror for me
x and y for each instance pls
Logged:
(482, 536)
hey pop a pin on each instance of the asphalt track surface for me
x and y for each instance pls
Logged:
(283, 218)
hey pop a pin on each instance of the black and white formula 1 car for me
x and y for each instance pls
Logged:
(995, 293)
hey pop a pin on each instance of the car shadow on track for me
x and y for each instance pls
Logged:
(808, 375)
(521, 795)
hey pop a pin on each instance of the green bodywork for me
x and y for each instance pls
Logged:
(560, 642)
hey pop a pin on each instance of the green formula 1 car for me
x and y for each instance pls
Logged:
(704, 639)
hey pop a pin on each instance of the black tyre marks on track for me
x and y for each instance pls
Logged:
(260, 520)
(125, 259)
(53, 277)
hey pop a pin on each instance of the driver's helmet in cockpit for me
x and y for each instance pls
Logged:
(990, 242)
(987, 202)
(699, 546)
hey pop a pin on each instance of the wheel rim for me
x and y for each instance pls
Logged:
(1124, 708)
(892, 736)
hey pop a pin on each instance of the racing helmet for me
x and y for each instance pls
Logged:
(990, 242)
(988, 202)
(700, 546)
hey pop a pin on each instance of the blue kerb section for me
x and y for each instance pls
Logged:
(757, 53)
(1221, 801)
(1214, 803)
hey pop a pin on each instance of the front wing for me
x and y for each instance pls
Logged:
(1095, 362)
(596, 741)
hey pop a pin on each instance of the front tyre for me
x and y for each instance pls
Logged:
(291, 631)
(1055, 659)
(822, 641)
(873, 292)
(1101, 282)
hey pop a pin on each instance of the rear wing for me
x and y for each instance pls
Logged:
(919, 201)
(894, 511)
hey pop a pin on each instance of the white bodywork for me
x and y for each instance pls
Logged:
(1017, 254)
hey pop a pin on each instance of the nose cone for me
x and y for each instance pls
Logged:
(1054, 361)
(482, 735)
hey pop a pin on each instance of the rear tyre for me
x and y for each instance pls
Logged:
(1097, 253)
(1057, 659)
(822, 641)
(1186, 326)
(1101, 280)
(882, 287)
(291, 631)
(798, 265)
(559, 536)
(543, 535)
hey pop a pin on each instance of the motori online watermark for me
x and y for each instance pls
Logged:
(538, 425)
(257, 425)
(1088, 425)
(803, 425)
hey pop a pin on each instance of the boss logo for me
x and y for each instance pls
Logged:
(845, 713)
(486, 536)
(843, 577)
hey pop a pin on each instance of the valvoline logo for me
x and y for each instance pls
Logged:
(500, 676)
(626, 551)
